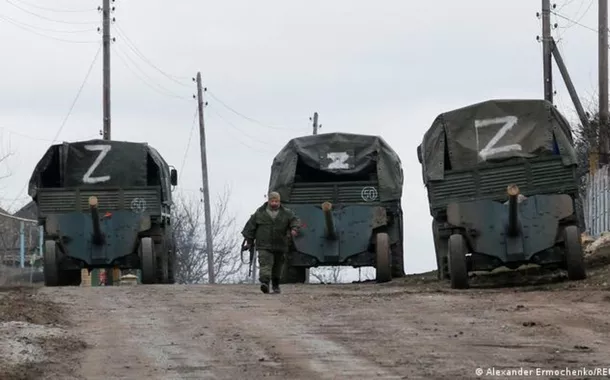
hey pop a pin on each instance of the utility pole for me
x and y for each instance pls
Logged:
(106, 62)
(547, 59)
(315, 132)
(315, 123)
(603, 82)
(206, 187)
(569, 85)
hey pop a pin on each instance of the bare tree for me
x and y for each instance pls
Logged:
(327, 275)
(189, 235)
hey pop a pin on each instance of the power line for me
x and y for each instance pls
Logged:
(47, 18)
(568, 2)
(574, 22)
(44, 35)
(123, 57)
(47, 29)
(239, 141)
(65, 120)
(246, 117)
(581, 16)
(80, 89)
(54, 9)
(237, 129)
(188, 144)
(11, 132)
(133, 47)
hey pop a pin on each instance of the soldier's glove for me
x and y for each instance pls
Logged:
(249, 243)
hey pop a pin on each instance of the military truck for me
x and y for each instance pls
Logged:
(502, 188)
(346, 189)
(104, 204)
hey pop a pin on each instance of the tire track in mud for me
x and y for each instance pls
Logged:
(233, 332)
(128, 336)
(451, 334)
(205, 333)
(299, 341)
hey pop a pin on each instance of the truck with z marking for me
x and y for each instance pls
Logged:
(502, 189)
(104, 204)
(346, 189)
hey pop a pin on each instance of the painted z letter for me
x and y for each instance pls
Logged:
(103, 149)
(491, 148)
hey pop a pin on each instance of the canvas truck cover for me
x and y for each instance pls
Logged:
(100, 163)
(339, 153)
(492, 131)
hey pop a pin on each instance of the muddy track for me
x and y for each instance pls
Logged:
(361, 331)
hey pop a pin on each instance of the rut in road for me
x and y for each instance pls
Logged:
(199, 332)
(334, 332)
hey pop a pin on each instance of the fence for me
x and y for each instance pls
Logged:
(29, 236)
(596, 205)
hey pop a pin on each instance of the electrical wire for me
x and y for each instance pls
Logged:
(47, 29)
(568, 2)
(238, 140)
(246, 117)
(47, 18)
(581, 16)
(160, 89)
(11, 132)
(133, 47)
(188, 144)
(44, 35)
(236, 128)
(574, 22)
(65, 120)
(54, 9)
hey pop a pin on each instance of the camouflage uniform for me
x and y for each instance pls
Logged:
(271, 231)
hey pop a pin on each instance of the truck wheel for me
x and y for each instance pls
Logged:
(458, 270)
(50, 264)
(148, 261)
(384, 257)
(573, 254)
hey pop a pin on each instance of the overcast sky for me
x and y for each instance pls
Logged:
(387, 69)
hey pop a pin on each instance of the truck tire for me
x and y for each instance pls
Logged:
(51, 264)
(383, 255)
(574, 259)
(148, 261)
(458, 270)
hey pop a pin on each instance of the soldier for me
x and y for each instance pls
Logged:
(271, 226)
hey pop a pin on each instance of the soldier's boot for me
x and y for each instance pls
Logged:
(275, 285)
(265, 287)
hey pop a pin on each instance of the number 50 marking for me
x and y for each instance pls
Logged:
(491, 148)
(103, 149)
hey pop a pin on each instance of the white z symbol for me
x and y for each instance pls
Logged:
(104, 149)
(490, 149)
(338, 160)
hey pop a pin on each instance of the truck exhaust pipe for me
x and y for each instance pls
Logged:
(98, 236)
(513, 215)
(329, 223)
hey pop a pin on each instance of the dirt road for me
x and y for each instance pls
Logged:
(404, 330)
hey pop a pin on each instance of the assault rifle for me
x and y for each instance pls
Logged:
(251, 249)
